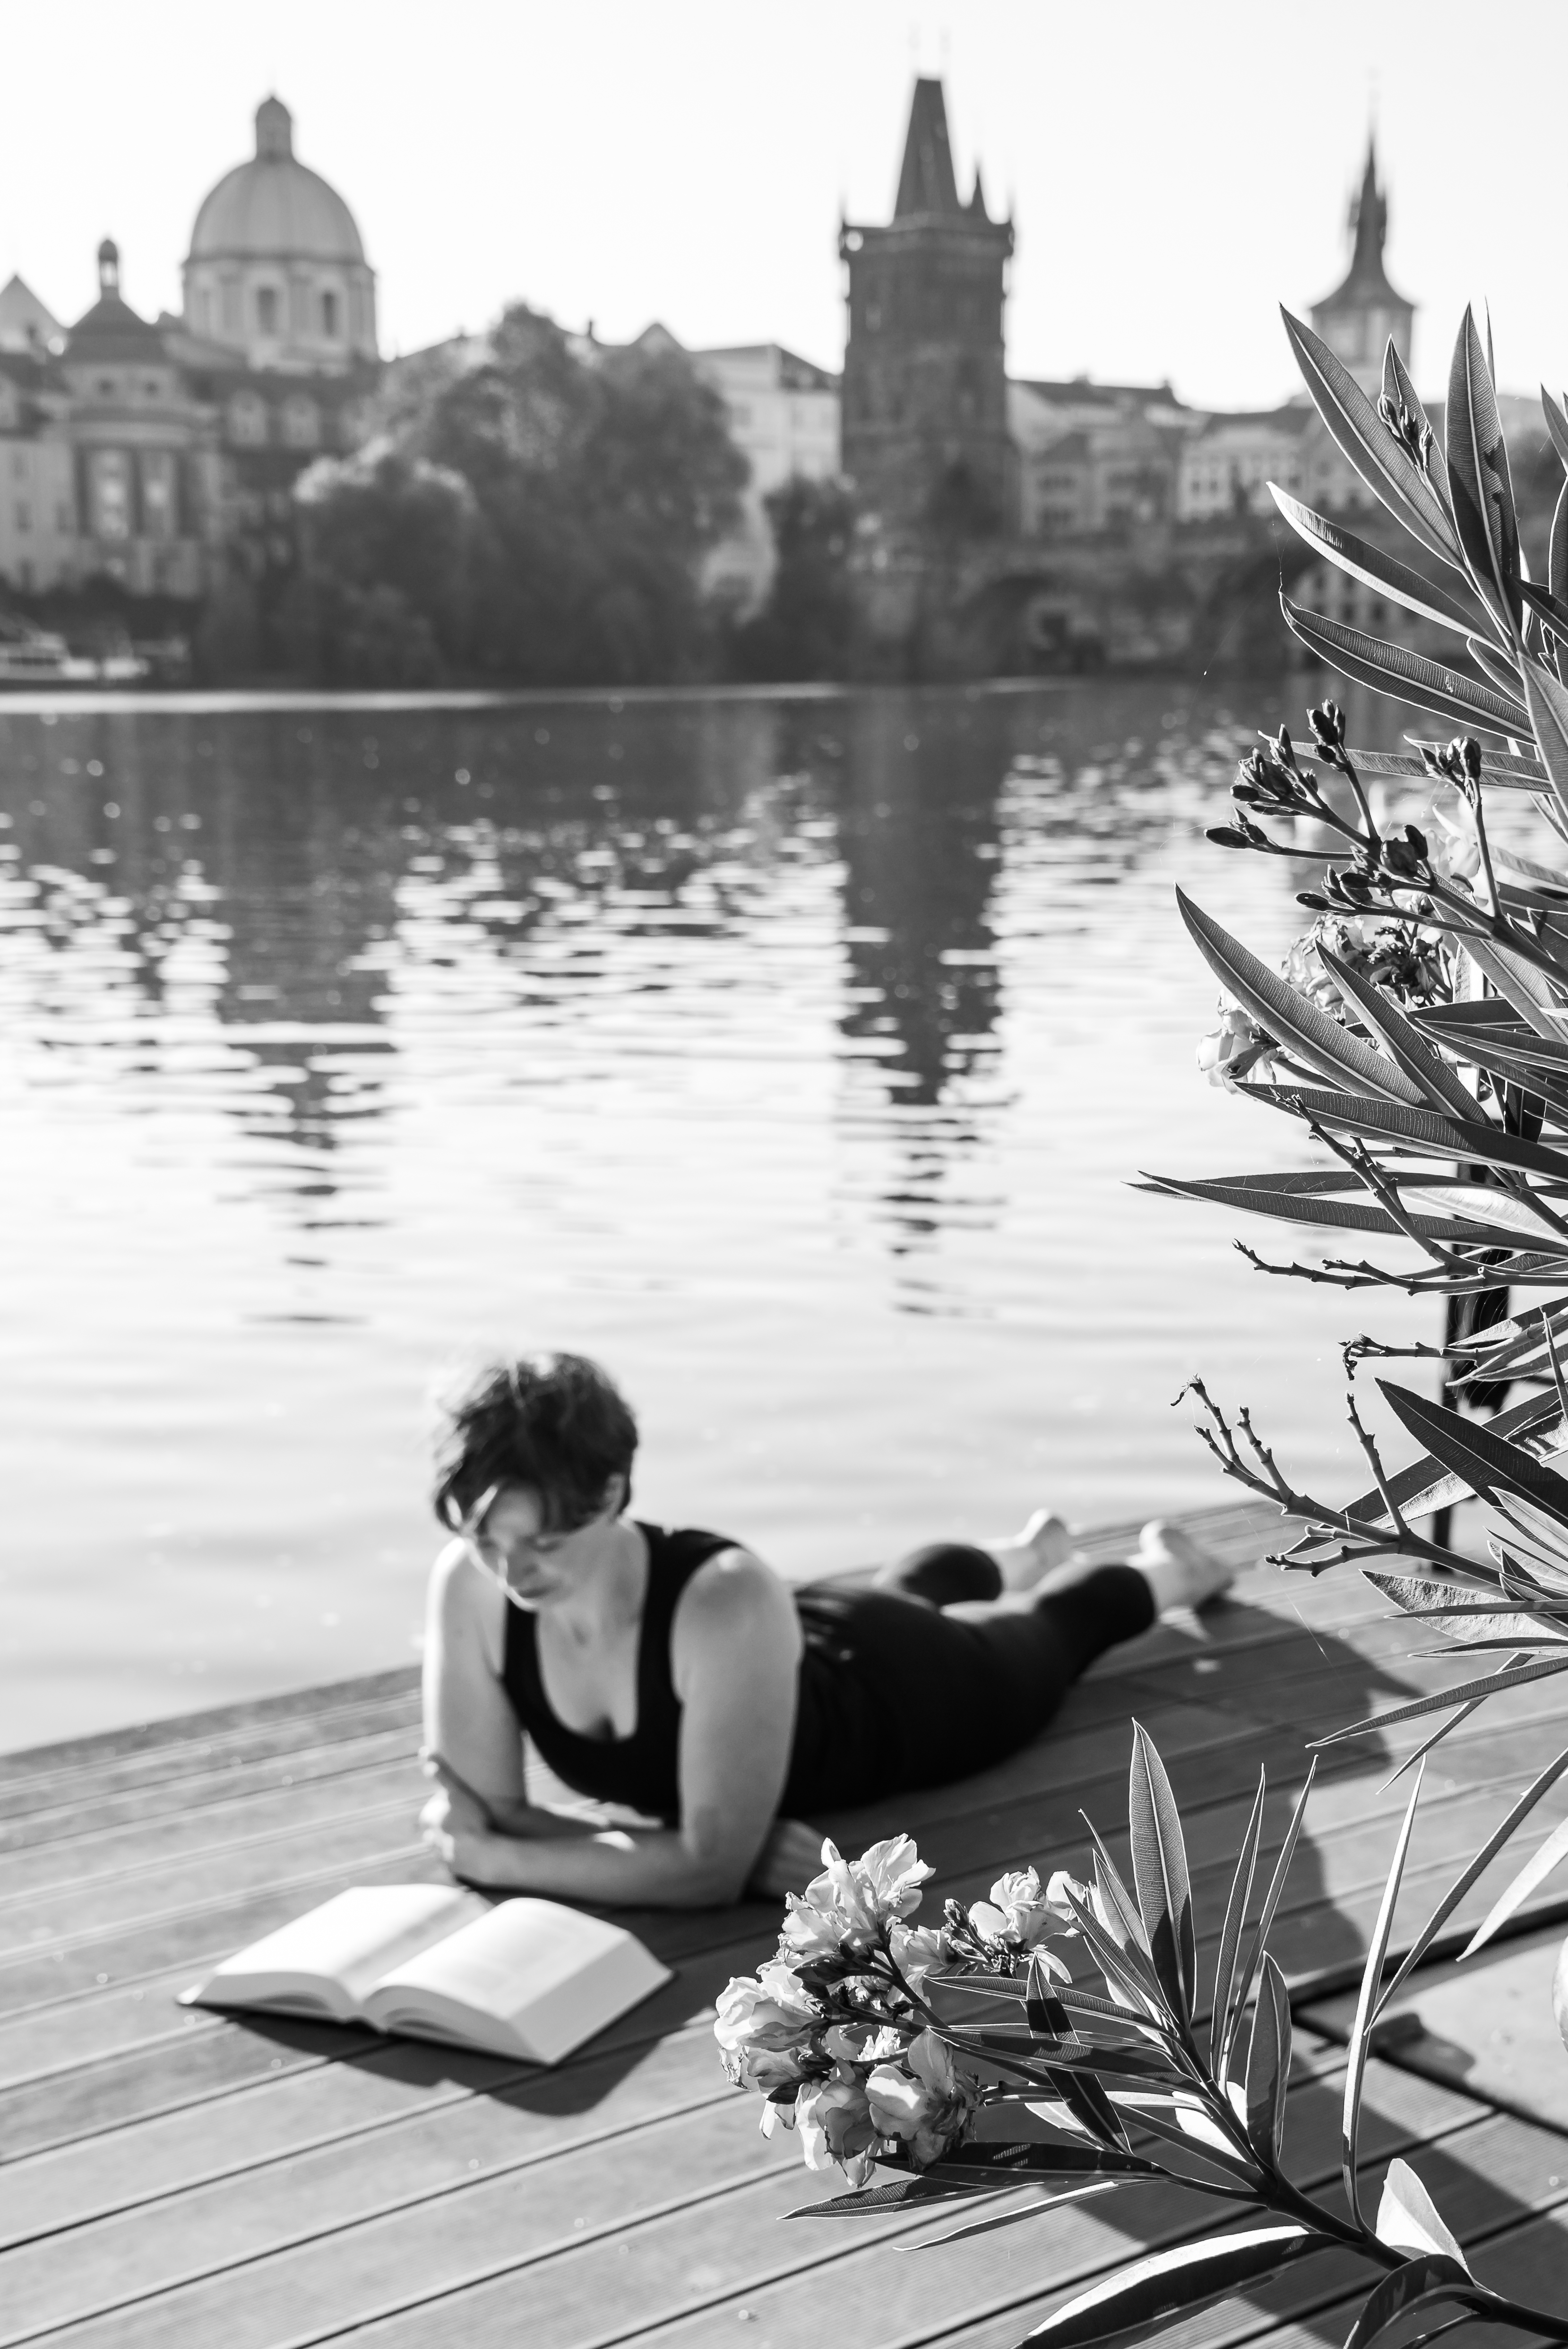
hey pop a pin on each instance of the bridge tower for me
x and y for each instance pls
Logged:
(925, 437)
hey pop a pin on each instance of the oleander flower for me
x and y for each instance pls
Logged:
(833, 2120)
(1018, 1911)
(764, 2026)
(1455, 848)
(916, 1951)
(1237, 1046)
(850, 1906)
(924, 2102)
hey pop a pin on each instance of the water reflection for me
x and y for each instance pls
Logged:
(792, 1051)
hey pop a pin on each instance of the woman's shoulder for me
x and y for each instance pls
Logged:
(728, 1587)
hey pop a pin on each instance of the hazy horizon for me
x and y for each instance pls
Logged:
(1172, 177)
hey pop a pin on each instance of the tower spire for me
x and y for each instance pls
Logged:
(1368, 217)
(926, 184)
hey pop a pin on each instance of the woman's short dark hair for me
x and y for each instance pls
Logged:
(555, 1422)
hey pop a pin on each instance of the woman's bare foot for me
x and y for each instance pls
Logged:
(1179, 1573)
(1044, 1543)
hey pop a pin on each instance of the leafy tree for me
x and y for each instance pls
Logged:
(805, 628)
(541, 517)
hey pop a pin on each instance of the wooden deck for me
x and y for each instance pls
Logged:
(176, 2179)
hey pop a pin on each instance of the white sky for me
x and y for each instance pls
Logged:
(1175, 169)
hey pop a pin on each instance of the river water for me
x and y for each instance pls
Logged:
(791, 1054)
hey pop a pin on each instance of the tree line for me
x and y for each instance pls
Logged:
(545, 519)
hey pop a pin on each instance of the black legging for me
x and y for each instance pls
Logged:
(895, 1691)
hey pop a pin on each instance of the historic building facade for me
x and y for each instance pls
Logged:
(924, 424)
(161, 455)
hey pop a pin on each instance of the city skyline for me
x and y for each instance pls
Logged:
(700, 178)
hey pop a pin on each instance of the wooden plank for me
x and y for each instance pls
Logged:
(193, 1793)
(844, 2278)
(273, 2116)
(228, 1733)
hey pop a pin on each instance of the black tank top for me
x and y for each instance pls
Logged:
(868, 1703)
(639, 1770)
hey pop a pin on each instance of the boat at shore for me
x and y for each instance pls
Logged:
(32, 656)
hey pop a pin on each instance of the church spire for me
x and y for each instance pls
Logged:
(1368, 221)
(926, 184)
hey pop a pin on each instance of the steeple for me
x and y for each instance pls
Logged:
(109, 266)
(926, 184)
(1364, 312)
(1368, 224)
(977, 201)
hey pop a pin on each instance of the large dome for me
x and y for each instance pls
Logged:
(274, 206)
(276, 270)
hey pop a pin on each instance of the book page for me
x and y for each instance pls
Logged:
(548, 1975)
(343, 1947)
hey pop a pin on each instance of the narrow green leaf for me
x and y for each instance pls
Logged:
(1424, 2282)
(1372, 566)
(1556, 424)
(1231, 1933)
(1389, 470)
(1291, 1207)
(1491, 1684)
(1472, 1873)
(1173, 2282)
(1486, 1461)
(1269, 2065)
(1492, 664)
(1503, 1216)
(1031, 2210)
(1423, 1066)
(1547, 701)
(1405, 676)
(1463, 1137)
(1160, 1874)
(1480, 492)
(1322, 1042)
(1125, 1970)
(1123, 1920)
(1254, 1958)
(1500, 772)
(1427, 1484)
(1371, 1982)
(1520, 769)
(1425, 1597)
(1534, 1873)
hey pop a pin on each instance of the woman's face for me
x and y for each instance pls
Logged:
(505, 1536)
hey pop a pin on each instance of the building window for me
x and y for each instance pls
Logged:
(247, 419)
(329, 317)
(266, 309)
(110, 476)
(301, 424)
(158, 493)
(106, 386)
(24, 516)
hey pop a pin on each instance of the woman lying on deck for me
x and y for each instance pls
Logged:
(676, 1675)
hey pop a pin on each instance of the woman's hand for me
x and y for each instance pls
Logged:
(791, 1857)
(458, 1830)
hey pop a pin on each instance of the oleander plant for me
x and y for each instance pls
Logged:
(1050, 2044)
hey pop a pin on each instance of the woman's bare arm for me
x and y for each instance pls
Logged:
(473, 1746)
(735, 1648)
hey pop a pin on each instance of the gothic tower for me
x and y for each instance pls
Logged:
(1358, 317)
(925, 436)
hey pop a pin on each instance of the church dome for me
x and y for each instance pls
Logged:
(274, 206)
(276, 271)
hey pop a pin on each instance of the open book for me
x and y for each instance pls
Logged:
(519, 1977)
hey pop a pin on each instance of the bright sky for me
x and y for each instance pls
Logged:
(1175, 171)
